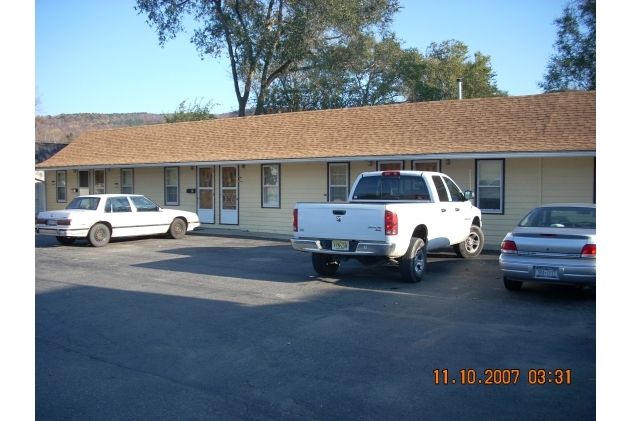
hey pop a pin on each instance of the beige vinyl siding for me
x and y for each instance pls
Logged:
(530, 182)
(304, 182)
(188, 180)
(568, 180)
(113, 181)
(149, 181)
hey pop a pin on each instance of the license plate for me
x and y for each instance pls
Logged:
(339, 245)
(51, 222)
(543, 272)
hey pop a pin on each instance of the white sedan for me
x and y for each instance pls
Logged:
(100, 217)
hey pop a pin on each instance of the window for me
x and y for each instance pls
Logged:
(171, 186)
(99, 181)
(433, 165)
(454, 191)
(490, 185)
(391, 188)
(127, 181)
(271, 186)
(143, 204)
(440, 188)
(390, 165)
(338, 182)
(61, 186)
(117, 204)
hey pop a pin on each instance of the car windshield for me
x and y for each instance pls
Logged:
(561, 217)
(143, 204)
(88, 203)
(391, 188)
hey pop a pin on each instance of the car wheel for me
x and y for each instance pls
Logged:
(177, 229)
(324, 264)
(412, 264)
(99, 235)
(473, 245)
(512, 285)
(66, 241)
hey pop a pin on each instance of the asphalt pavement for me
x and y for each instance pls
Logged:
(238, 326)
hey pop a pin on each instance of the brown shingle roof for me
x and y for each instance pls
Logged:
(556, 122)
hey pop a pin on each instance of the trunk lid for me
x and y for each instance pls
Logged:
(561, 242)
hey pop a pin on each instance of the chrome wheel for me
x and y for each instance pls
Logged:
(472, 243)
(419, 263)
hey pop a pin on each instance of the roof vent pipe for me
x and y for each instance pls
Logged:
(459, 80)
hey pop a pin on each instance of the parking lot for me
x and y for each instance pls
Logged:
(216, 327)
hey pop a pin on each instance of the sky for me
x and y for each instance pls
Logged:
(102, 57)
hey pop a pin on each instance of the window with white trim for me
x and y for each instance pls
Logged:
(490, 185)
(270, 189)
(338, 182)
(61, 186)
(127, 181)
(171, 186)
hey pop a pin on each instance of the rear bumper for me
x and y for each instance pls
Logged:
(569, 271)
(362, 249)
(63, 232)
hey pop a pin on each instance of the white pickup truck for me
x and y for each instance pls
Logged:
(391, 216)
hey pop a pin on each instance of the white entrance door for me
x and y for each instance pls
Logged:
(229, 212)
(206, 189)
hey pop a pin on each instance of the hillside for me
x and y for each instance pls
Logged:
(64, 128)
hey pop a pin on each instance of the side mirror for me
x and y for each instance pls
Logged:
(468, 194)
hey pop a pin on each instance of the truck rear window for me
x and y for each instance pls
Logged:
(391, 188)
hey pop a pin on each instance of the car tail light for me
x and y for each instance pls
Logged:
(509, 246)
(40, 221)
(63, 222)
(392, 223)
(294, 220)
(391, 173)
(589, 250)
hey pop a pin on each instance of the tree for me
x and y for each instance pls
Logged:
(194, 112)
(573, 67)
(364, 72)
(264, 39)
(433, 77)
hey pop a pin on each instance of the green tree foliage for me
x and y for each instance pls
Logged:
(433, 77)
(363, 72)
(266, 39)
(573, 67)
(193, 112)
(369, 72)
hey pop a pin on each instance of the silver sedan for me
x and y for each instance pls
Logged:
(553, 244)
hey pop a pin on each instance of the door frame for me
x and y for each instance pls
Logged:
(206, 213)
(223, 215)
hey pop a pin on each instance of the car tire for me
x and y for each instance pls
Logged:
(511, 285)
(99, 235)
(473, 245)
(324, 264)
(66, 241)
(177, 229)
(413, 263)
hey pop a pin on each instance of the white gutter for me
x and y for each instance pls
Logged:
(482, 155)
